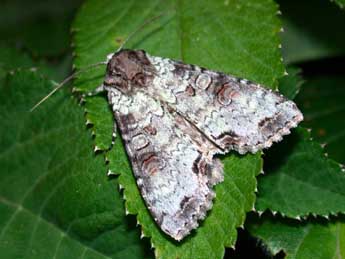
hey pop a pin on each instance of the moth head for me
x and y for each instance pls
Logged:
(127, 70)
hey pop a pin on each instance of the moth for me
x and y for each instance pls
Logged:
(175, 117)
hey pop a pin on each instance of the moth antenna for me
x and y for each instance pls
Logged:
(138, 29)
(65, 81)
(69, 78)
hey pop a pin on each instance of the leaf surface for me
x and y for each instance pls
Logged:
(322, 102)
(39, 26)
(306, 37)
(310, 239)
(341, 3)
(290, 85)
(300, 179)
(12, 59)
(55, 198)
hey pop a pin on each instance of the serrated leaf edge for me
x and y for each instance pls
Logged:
(305, 217)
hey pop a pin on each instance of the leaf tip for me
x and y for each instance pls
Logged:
(88, 122)
(326, 217)
(109, 173)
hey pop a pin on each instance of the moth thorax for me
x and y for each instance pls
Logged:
(128, 69)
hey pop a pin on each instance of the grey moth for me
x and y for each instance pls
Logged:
(175, 117)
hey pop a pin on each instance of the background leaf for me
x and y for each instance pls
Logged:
(215, 35)
(290, 85)
(40, 26)
(322, 103)
(301, 240)
(314, 237)
(55, 198)
(300, 180)
(311, 30)
(12, 59)
(341, 3)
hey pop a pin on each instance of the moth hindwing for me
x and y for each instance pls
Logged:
(174, 118)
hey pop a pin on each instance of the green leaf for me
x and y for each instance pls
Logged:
(55, 198)
(322, 103)
(306, 37)
(300, 179)
(217, 35)
(290, 85)
(310, 239)
(99, 115)
(340, 3)
(184, 35)
(40, 26)
(12, 59)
